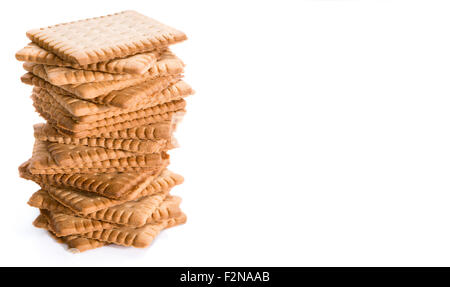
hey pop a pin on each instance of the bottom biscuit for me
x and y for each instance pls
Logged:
(147, 210)
(136, 237)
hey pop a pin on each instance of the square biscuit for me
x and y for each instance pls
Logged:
(104, 38)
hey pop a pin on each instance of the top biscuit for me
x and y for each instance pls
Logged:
(104, 38)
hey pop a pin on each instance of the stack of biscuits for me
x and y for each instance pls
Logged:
(112, 94)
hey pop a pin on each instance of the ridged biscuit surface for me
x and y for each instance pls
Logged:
(63, 224)
(42, 200)
(46, 132)
(75, 243)
(55, 113)
(137, 237)
(135, 98)
(168, 64)
(123, 98)
(93, 188)
(73, 155)
(117, 127)
(42, 162)
(145, 210)
(155, 131)
(135, 64)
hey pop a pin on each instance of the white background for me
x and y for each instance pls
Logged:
(319, 135)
